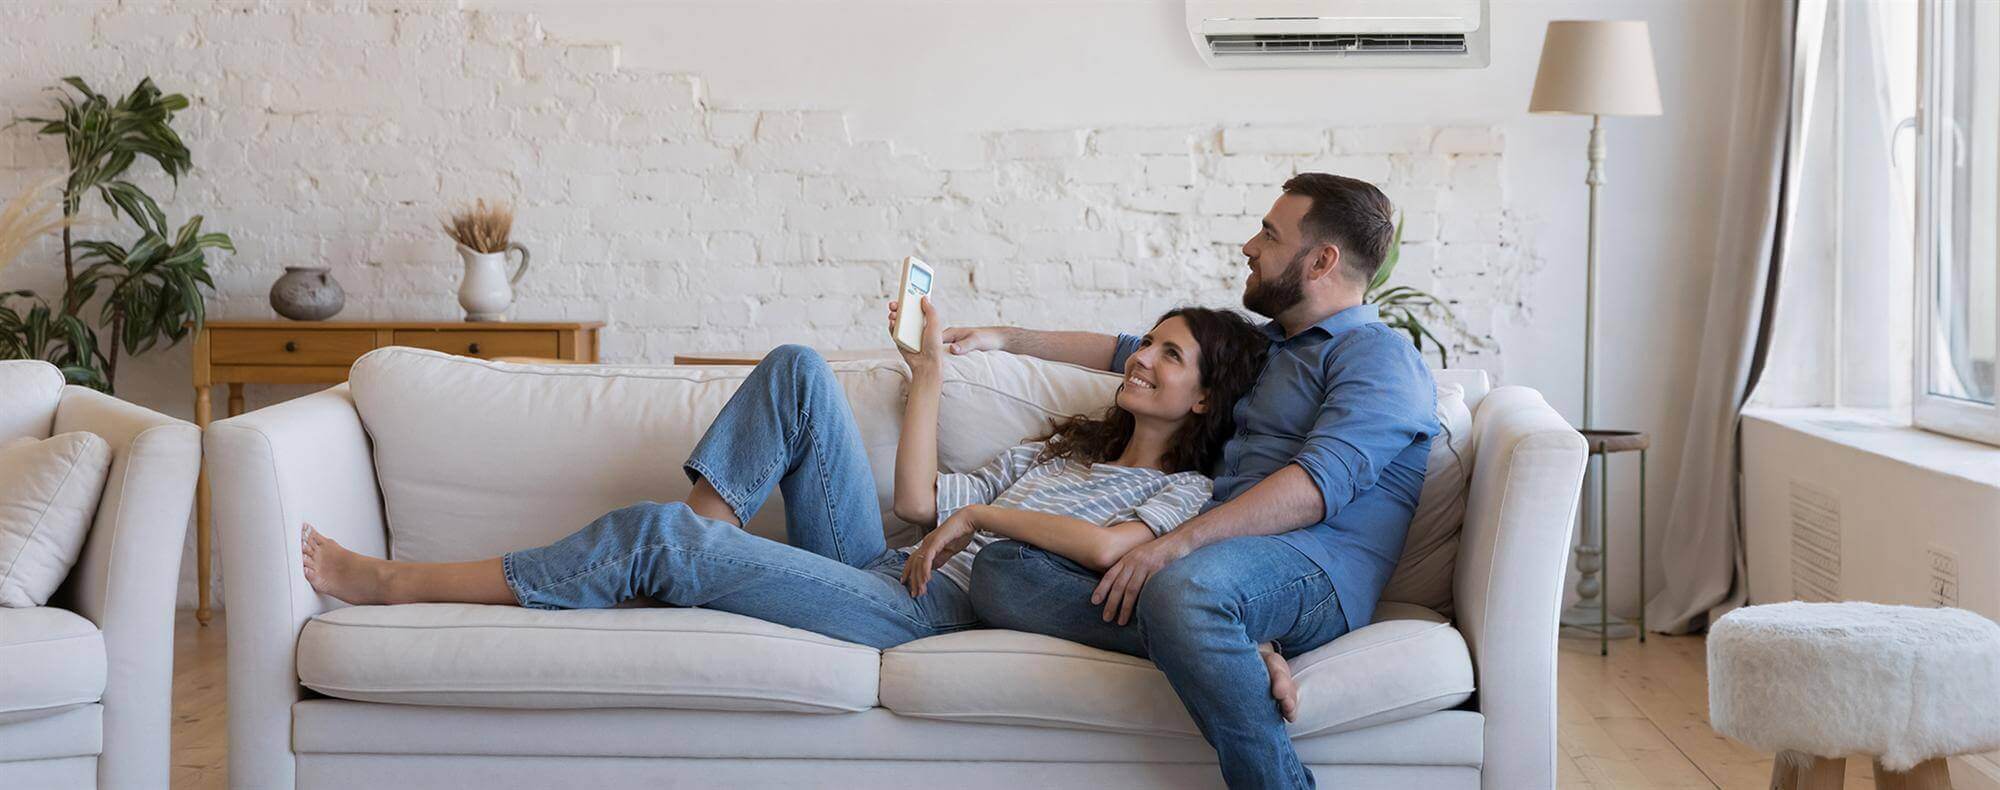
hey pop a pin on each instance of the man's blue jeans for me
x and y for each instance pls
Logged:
(788, 427)
(1200, 620)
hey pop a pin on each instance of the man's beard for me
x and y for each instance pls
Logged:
(1280, 292)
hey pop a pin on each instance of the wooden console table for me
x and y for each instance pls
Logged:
(319, 352)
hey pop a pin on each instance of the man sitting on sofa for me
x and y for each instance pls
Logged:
(1312, 499)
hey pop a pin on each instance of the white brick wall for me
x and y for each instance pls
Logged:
(336, 131)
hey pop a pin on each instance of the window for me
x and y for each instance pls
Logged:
(1957, 219)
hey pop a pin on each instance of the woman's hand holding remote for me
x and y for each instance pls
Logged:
(925, 361)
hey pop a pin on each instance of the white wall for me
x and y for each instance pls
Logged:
(1077, 156)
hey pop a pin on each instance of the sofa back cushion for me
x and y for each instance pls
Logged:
(1423, 574)
(993, 400)
(29, 392)
(479, 458)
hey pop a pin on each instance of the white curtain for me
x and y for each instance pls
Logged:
(1701, 549)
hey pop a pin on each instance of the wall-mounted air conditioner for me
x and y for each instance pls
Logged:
(1267, 34)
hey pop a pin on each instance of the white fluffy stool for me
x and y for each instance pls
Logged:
(1816, 682)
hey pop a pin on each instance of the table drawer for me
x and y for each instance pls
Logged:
(288, 347)
(484, 344)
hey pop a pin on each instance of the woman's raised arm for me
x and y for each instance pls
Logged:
(916, 449)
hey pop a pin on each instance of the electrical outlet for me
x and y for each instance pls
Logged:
(1943, 575)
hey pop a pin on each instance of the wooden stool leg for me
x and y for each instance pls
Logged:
(1799, 771)
(1934, 774)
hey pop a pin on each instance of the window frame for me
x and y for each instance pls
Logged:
(1959, 417)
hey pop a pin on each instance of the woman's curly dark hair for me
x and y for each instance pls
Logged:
(1231, 355)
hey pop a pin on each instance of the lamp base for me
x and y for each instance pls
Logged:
(1582, 621)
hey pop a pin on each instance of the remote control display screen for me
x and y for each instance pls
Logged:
(920, 280)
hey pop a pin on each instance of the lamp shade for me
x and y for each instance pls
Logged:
(1596, 67)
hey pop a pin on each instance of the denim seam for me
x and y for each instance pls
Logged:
(818, 450)
(727, 559)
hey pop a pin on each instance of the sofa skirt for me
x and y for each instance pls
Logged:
(344, 744)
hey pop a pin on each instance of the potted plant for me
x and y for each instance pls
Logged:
(152, 288)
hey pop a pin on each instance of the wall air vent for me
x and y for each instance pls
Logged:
(1815, 543)
(1248, 34)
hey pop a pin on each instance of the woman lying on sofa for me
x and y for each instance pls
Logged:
(1093, 490)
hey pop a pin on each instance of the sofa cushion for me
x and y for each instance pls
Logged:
(31, 389)
(480, 458)
(48, 497)
(993, 400)
(1409, 664)
(510, 657)
(52, 658)
(1430, 552)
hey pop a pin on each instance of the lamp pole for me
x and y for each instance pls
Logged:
(1589, 611)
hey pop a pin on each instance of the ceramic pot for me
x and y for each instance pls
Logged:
(307, 293)
(487, 291)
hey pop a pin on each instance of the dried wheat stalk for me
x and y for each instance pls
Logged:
(481, 227)
(26, 218)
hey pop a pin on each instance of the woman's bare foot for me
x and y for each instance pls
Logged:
(1283, 688)
(333, 570)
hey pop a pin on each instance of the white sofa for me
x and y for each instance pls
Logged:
(445, 458)
(86, 682)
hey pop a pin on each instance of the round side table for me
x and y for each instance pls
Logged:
(1607, 442)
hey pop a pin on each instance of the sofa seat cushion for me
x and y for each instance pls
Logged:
(50, 659)
(1390, 670)
(510, 657)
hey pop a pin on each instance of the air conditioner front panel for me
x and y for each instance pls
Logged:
(1337, 33)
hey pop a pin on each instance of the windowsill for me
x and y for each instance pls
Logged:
(1889, 434)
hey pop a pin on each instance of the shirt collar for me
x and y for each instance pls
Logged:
(1332, 325)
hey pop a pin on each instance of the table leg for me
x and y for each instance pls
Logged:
(235, 398)
(1604, 546)
(1642, 544)
(1932, 774)
(201, 533)
(1799, 771)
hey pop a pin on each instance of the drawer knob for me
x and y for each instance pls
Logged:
(291, 346)
(472, 349)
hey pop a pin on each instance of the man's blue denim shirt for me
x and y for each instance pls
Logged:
(1351, 402)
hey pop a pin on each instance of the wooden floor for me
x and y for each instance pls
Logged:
(1638, 719)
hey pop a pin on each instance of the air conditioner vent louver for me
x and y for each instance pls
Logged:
(1337, 44)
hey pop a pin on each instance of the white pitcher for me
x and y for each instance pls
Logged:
(487, 291)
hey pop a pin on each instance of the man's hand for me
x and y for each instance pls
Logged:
(1119, 590)
(939, 547)
(967, 339)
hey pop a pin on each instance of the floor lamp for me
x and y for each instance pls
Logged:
(1594, 68)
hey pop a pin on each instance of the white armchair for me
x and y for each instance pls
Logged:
(86, 695)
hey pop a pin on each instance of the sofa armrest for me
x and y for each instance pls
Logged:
(1526, 479)
(306, 460)
(125, 578)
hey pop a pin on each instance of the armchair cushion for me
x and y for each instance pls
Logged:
(48, 496)
(30, 390)
(53, 660)
(510, 657)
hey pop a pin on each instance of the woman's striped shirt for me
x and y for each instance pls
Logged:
(1102, 494)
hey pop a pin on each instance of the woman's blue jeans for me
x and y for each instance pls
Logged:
(788, 427)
